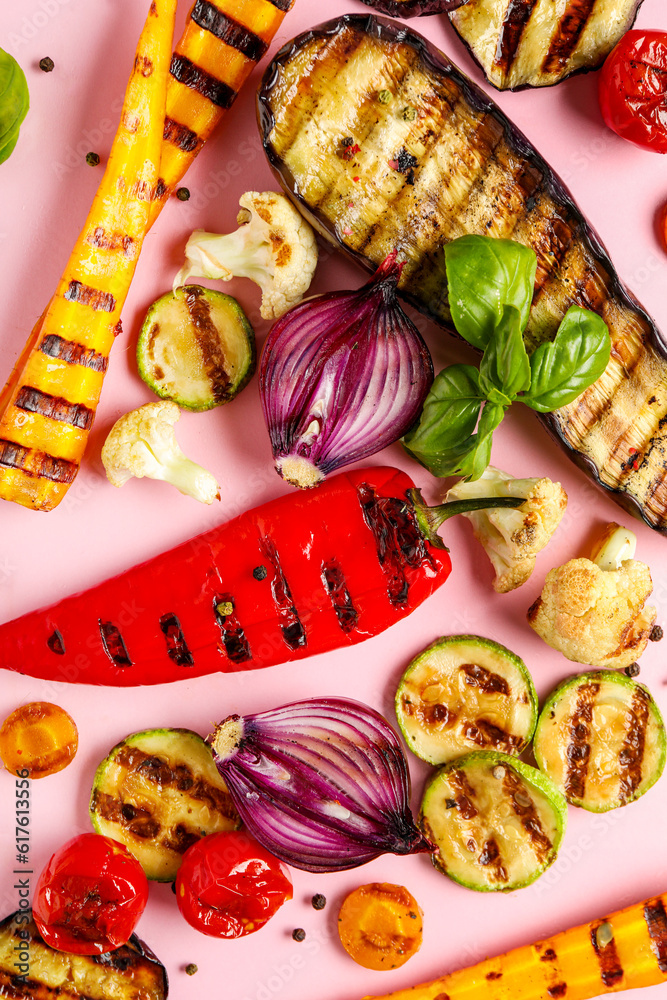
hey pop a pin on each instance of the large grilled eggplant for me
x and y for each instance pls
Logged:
(414, 8)
(31, 969)
(536, 43)
(440, 160)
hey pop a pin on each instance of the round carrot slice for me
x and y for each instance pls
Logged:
(39, 738)
(380, 925)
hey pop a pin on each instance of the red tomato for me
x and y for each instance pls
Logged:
(228, 885)
(90, 896)
(633, 89)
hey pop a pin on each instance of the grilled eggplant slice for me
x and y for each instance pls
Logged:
(414, 8)
(536, 43)
(441, 160)
(31, 969)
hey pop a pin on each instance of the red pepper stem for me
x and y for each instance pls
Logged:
(429, 519)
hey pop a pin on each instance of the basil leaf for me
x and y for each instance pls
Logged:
(14, 101)
(505, 369)
(483, 276)
(445, 429)
(479, 451)
(562, 369)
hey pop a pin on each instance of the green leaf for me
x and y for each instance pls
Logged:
(505, 369)
(449, 417)
(14, 102)
(478, 455)
(483, 276)
(562, 369)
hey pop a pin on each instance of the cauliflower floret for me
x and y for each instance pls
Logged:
(597, 615)
(143, 443)
(512, 537)
(274, 246)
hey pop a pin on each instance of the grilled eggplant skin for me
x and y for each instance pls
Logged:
(455, 164)
(537, 43)
(415, 8)
(131, 972)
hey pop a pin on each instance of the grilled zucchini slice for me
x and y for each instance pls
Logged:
(497, 822)
(440, 160)
(158, 792)
(601, 739)
(537, 43)
(32, 969)
(196, 347)
(466, 693)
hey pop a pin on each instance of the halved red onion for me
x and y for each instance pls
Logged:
(323, 784)
(342, 376)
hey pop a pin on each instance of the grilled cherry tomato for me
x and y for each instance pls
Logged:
(633, 89)
(90, 896)
(228, 885)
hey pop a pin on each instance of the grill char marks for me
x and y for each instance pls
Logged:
(181, 136)
(177, 647)
(290, 623)
(656, 923)
(36, 463)
(234, 640)
(236, 35)
(578, 748)
(516, 18)
(103, 240)
(35, 401)
(191, 76)
(334, 581)
(73, 354)
(570, 28)
(77, 291)
(632, 752)
(208, 339)
(524, 807)
(114, 644)
(611, 970)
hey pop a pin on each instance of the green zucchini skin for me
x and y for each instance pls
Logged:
(371, 180)
(465, 693)
(129, 972)
(601, 739)
(497, 823)
(158, 791)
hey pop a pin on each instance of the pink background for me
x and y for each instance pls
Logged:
(46, 187)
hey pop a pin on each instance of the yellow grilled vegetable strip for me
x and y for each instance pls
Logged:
(48, 405)
(619, 952)
(221, 45)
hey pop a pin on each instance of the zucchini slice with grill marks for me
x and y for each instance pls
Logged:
(196, 347)
(497, 822)
(466, 693)
(32, 969)
(158, 792)
(601, 739)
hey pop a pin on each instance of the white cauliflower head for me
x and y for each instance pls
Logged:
(143, 443)
(274, 246)
(512, 537)
(595, 612)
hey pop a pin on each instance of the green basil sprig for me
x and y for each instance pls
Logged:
(14, 101)
(490, 287)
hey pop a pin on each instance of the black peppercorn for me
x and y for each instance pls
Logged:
(259, 572)
(46, 64)
(191, 969)
(319, 901)
(183, 194)
(656, 633)
(299, 934)
(92, 159)
(632, 670)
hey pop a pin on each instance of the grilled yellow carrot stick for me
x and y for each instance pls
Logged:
(220, 47)
(48, 404)
(619, 952)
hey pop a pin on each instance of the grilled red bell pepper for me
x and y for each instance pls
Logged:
(300, 575)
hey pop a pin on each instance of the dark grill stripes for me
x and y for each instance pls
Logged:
(35, 401)
(219, 93)
(114, 645)
(180, 135)
(36, 463)
(236, 35)
(579, 749)
(112, 241)
(516, 18)
(632, 752)
(334, 581)
(284, 5)
(234, 639)
(564, 42)
(290, 624)
(656, 923)
(56, 643)
(89, 296)
(177, 647)
(72, 353)
(611, 970)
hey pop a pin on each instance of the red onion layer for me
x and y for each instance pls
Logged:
(322, 784)
(342, 376)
